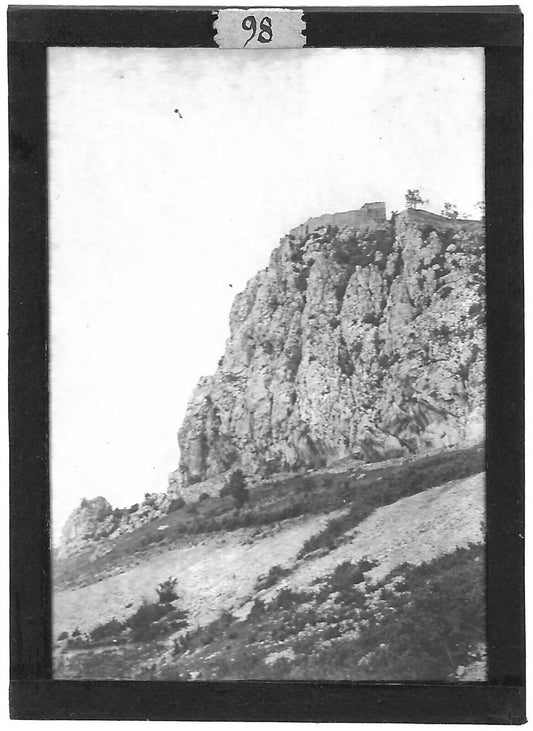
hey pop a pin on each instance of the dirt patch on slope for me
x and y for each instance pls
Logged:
(218, 572)
(412, 530)
(215, 574)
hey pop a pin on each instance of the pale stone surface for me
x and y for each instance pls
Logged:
(365, 342)
(219, 572)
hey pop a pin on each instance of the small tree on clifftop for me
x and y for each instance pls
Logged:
(413, 198)
(450, 211)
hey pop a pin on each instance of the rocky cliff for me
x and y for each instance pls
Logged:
(364, 341)
(94, 520)
(88, 522)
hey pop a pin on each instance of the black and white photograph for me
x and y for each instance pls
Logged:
(267, 364)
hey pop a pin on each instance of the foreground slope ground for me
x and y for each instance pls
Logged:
(357, 572)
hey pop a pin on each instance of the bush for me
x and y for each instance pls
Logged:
(370, 318)
(274, 575)
(347, 574)
(315, 494)
(177, 614)
(300, 281)
(224, 491)
(237, 489)
(144, 623)
(331, 633)
(435, 626)
(304, 484)
(287, 598)
(176, 504)
(147, 613)
(133, 508)
(203, 636)
(326, 538)
(107, 630)
(152, 537)
(258, 609)
(63, 636)
(166, 590)
(203, 496)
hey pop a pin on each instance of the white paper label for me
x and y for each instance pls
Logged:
(259, 28)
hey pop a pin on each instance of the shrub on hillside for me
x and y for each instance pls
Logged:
(288, 598)
(203, 496)
(326, 538)
(107, 630)
(147, 613)
(274, 575)
(152, 537)
(348, 574)
(203, 636)
(258, 609)
(176, 504)
(144, 623)
(434, 626)
(324, 493)
(166, 590)
(305, 483)
(152, 620)
(224, 490)
(236, 488)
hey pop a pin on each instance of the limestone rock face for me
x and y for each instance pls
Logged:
(84, 524)
(364, 341)
(95, 520)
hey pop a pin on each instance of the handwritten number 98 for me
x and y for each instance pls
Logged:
(265, 29)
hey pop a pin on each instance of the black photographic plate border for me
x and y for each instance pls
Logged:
(34, 693)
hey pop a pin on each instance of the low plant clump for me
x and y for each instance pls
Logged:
(420, 623)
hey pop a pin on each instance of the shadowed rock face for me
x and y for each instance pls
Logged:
(84, 524)
(94, 520)
(367, 341)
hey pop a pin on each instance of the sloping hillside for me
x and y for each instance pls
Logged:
(326, 518)
(223, 578)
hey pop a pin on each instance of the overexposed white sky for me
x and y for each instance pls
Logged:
(153, 216)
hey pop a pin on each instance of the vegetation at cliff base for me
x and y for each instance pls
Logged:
(357, 489)
(419, 623)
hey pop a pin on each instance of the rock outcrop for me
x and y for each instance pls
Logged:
(94, 520)
(364, 341)
(84, 524)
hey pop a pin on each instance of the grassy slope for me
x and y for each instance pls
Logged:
(222, 571)
(417, 623)
(362, 488)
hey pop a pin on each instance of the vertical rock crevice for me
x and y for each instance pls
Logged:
(364, 339)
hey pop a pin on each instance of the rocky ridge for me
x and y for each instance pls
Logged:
(95, 520)
(364, 341)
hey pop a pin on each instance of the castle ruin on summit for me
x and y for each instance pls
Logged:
(368, 212)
